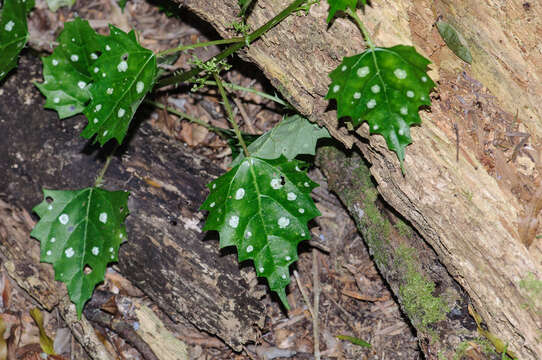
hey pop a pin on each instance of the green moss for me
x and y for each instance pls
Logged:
(416, 292)
(403, 228)
(532, 288)
(486, 347)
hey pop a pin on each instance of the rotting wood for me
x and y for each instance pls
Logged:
(166, 255)
(389, 240)
(465, 210)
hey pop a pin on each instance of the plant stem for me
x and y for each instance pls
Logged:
(362, 27)
(230, 114)
(250, 90)
(100, 177)
(198, 45)
(174, 79)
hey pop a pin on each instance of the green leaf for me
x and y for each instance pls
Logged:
(342, 5)
(67, 71)
(81, 230)
(104, 77)
(293, 136)
(13, 33)
(455, 41)
(122, 75)
(262, 207)
(122, 4)
(385, 87)
(54, 5)
(244, 4)
(354, 340)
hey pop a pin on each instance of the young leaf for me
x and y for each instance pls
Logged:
(262, 207)
(455, 41)
(67, 71)
(80, 233)
(293, 136)
(385, 87)
(105, 77)
(13, 33)
(342, 5)
(122, 76)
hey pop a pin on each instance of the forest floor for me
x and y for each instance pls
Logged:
(353, 301)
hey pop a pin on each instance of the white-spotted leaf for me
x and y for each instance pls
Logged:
(293, 136)
(80, 233)
(342, 5)
(13, 33)
(104, 77)
(262, 207)
(66, 72)
(122, 76)
(384, 87)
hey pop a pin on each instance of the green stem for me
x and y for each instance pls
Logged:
(362, 27)
(100, 177)
(230, 114)
(201, 44)
(174, 79)
(250, 90)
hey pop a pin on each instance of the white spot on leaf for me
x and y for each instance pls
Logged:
(375, 127)
(306, 184)
(336, 88)
(74, 58)
(375, 89)
(401, 132)
(111, 249)
(50, 207)
(98, 108)
(404, 110)
(103, 216)
(234, 221)
(283, 276)
(371, 103)
(105, 133)
(95, 120)
(250, 248)
(54, 62)
(357, 95)
(301, 210)
(69, 252)
(288, 258)
(212, 204)
(107, 47)
(261, 269)
(53, 240)
(109, 91)
(121, 112)
(93, 56)
(64, 218)
(139, 87)
(400, 73)
(96, 69)
(275, 184)
(344, 68)
(363, 71)
(9, 26)
(424, 78)
(81, 84)
(122, 66)
(410, 93)
(49, 252)
(95, 251)
(283, 222)
(291, 196)
(303, 234)
(56, 100)
(240, 194)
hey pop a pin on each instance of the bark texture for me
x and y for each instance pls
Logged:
(166, 255)
(471, 186)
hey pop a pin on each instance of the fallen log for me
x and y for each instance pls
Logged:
(471, 187)
(166, 255)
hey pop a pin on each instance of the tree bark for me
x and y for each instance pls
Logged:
(166, 255)
(471, 186)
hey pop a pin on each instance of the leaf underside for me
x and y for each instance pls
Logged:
(294, 135)
(342, 5)
(384, 87)
(103, 77)
(79, 231)
(455, 41)
(262, 207)
(13, 33)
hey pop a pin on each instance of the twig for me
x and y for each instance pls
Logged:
(456, 129)
(303, 293)
(316, 294)
(244, 114)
